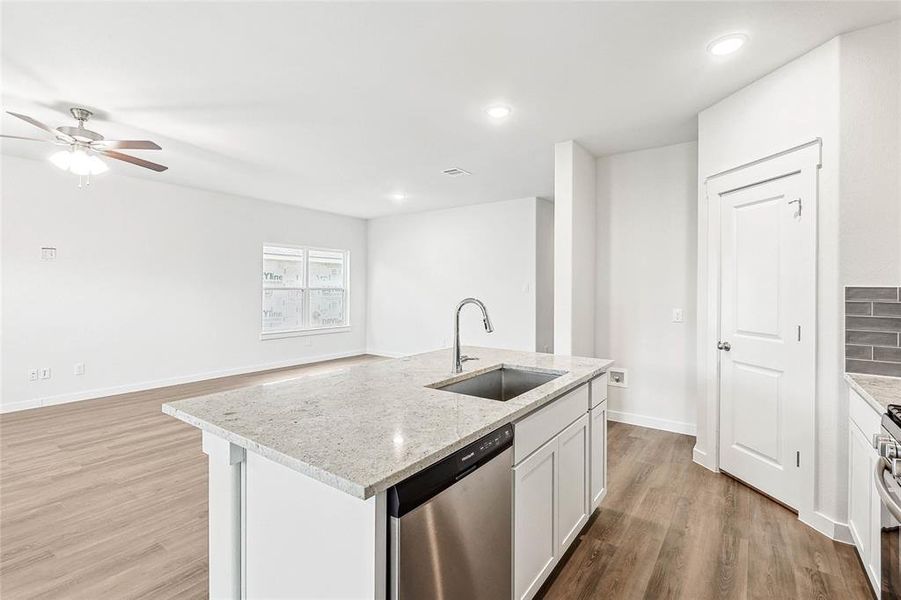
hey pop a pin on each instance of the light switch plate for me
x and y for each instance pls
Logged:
(48, 253)
(44, 373)
(678, 316)
(32, 374)
(78, 369)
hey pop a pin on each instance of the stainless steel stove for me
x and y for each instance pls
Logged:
(888, 484)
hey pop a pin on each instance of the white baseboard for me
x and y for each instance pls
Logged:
(840, 532)
(701, 457)
(652, 422)
(159, 383)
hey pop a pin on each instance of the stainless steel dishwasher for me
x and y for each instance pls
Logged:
(451, 525)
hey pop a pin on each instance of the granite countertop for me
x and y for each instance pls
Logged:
(877, 390)
(363, 429)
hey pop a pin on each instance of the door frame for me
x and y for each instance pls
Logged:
(805, 160)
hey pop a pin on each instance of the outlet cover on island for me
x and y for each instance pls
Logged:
(618, 378)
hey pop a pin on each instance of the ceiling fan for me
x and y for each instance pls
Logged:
(83, 146)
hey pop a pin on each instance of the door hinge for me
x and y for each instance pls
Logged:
(798, 458)
(798, 200)
(799, 333)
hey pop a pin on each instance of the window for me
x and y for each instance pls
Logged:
(304, 290)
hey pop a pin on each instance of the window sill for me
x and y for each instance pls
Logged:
(276, 335)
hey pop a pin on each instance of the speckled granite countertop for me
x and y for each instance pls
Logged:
(877, 390)
(368, 427)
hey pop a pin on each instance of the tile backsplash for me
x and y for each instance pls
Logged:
(873, 330)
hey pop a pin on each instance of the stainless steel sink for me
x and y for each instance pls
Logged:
(500, 384)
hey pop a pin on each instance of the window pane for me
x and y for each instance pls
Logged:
(282, 267)
(282, 310)
(326, 269)
(327, 308)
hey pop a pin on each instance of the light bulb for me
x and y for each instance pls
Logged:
(81, 162)
(62, 159)
(499, 111)
(727, 44)
(97, 166)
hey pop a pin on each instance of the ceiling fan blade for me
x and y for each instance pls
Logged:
(126, 145)
(19, 137)
(46, 128)
(134, 160)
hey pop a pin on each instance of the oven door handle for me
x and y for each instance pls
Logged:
(883, 465)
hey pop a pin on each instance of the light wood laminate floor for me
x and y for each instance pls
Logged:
(108, 499)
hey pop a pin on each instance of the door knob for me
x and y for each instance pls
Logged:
(723, 346)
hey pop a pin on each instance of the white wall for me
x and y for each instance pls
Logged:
(845, 92)
(544, 276)
(574, 249)
(870, 180)
(646, 267)
(422, 264)
(153, 283)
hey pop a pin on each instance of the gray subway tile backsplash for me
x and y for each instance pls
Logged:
(860, 352)
(859, 308)
(886, 354)
(871, 293)
(887, 309)
(873, 330)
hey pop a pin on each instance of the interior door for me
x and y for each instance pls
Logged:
(767, 262)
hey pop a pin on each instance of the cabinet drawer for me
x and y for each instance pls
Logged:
(598, 389)
(863, 415)
(535, 429)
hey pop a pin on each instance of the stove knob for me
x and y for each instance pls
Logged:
(886, 446)
(896, 467)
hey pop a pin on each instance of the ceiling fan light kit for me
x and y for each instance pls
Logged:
(83, 147)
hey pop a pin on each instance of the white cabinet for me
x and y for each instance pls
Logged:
(597, 461)
(552, 485)
(535, 519)
(864, 504)
(572, 485)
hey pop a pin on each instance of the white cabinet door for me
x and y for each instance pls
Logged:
(875, 509)
(535, 520)
(860, 490)
(572, 482)
(598, 455)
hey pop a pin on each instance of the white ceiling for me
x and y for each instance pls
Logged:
(337, 106)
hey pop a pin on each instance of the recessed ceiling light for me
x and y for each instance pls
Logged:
(398, 196)
(498, 111)
(727, 44)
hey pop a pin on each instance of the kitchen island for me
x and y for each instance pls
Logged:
(298, 469)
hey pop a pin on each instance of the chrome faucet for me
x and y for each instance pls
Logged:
(458, 359)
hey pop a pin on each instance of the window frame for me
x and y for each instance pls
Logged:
(306, 289)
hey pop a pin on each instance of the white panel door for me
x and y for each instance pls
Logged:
(767, 275)
(573, 482)
(534, 520)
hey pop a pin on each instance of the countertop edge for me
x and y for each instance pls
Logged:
(366, 491)
(863, 393)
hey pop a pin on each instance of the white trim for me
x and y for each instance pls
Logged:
(96, 393)
(805, 159)
(652, 422)
(700, 457)
(840, 532)
(387, 353)
(277, 335)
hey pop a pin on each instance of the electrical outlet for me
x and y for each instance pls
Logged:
(78, 369)
(48, 253)
(44, 373)
(618, 378)
(678, 316)
(32, 374)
